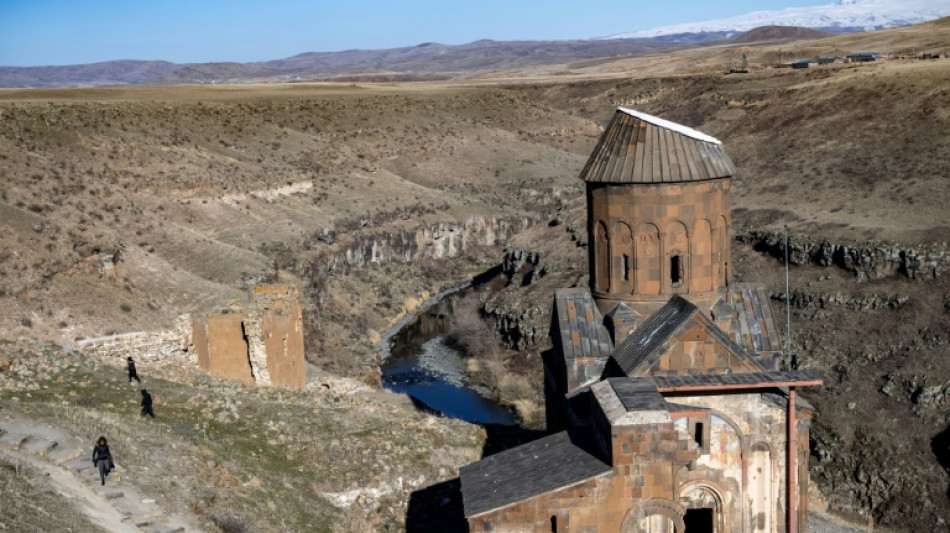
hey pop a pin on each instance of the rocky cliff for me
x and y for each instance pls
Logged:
(868, 260)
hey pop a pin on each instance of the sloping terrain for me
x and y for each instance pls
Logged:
(779, 33)
(846, 154)
(194, 193)
(424, 58)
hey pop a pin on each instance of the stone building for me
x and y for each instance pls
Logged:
(666, 407)
(260, 343)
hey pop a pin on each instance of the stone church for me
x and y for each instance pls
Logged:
(664, 400)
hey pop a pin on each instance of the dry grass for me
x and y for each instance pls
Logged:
(229, 454)
(199, 188)
(29, 502)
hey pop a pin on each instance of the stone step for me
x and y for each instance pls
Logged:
(129, 507)
(40, 446)
(79, 465)
(62, 454)
(15, 440)
(164, 528)
(112, 494)
(147, 519)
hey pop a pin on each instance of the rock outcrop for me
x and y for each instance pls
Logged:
(443, 240)
(870, 260)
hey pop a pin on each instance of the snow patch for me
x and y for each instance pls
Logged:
(672, 126)
(866, 14)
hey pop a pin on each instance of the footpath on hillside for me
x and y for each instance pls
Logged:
(118, 506)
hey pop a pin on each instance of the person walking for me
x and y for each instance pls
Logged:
(130, 366)
(102, 458)
(147, 404)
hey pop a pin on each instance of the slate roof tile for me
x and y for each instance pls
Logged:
(640, 148)
(528, 470)
(647, 342)
(580, 324)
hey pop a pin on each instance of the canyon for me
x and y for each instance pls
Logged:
(124, 208)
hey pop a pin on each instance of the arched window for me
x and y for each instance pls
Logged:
(601, 248)
(553, 524)
(676, 270)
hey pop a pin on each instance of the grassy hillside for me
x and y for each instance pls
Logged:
(201, 191)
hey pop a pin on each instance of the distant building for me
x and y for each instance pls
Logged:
(667, 411)
(805, 63)
(827, 60)
(864, 57)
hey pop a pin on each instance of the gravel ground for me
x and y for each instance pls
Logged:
(826, 523)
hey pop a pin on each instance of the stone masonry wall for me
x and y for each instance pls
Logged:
(660, 472)
(275, 335)
(261, 345)
(143, 346)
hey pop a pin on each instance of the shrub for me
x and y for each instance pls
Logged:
(230, 523)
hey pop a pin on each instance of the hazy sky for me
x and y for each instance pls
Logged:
(65, 32)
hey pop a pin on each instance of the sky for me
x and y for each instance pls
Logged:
(69, 32)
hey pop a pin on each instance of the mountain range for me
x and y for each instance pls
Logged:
(433, 61)
(843, 16)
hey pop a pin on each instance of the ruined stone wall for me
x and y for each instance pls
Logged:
(750, 433)
(262, 345)
(228, 348)
(143, 346)
(278, 332)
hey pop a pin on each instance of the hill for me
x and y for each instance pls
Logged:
(196, 192)
(779, 33)
(426, 58)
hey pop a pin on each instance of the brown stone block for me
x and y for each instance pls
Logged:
(684, 456)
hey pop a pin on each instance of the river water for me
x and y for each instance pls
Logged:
(422, 363)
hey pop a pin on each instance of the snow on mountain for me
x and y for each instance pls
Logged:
(843, 15)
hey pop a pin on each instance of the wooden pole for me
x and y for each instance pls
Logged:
(791, 462)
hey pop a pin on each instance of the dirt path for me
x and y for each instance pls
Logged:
(116, 507)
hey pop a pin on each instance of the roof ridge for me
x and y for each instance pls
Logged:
(649, 336)
(670, 125)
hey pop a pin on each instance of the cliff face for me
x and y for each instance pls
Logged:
(379, 247)
(867, 261)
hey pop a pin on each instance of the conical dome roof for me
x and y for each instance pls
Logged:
(640, 148)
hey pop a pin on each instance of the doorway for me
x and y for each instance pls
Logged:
(698, 521)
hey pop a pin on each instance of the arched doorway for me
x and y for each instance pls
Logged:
(654, 516)
(704, 511)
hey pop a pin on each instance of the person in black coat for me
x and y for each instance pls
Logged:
(147, 404)
(102, 458)
(130, 366)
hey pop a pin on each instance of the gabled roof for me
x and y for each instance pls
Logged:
(624, 312)
(648, 342)
(756, 324)
(580, 325)
(640, 148)
(529, 470)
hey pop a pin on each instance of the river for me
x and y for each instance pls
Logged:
(421, 362)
